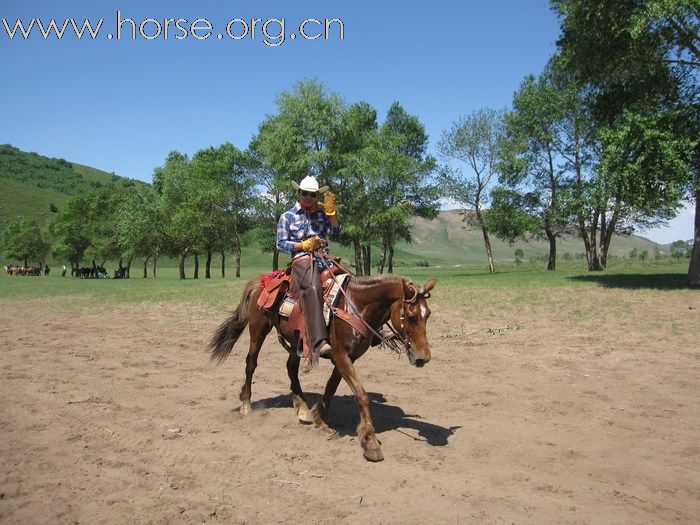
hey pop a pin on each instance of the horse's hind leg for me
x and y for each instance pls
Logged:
(258, 328)
(298, 399)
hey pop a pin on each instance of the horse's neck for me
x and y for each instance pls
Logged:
(374, 301)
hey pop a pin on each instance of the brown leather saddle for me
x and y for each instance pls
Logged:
(276, 299)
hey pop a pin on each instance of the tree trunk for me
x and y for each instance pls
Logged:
(145, 267)
(155, 258)
(275, 259)
(128, 268)
(485, 233)
(358, 257)
(196, 266)
(552, 262)
(390, 262)
(183, 256)
(606, 233)
(238, 258)
(223, 264)
(207, 269)
(382, 259)
(367, 257)
(694, 266)
(94, 268)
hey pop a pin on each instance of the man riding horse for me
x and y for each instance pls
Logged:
(302, 230)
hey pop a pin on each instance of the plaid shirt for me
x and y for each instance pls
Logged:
(297, 224)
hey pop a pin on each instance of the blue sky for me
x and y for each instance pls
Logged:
(122, 105)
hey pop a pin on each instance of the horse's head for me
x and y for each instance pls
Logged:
(409, 318)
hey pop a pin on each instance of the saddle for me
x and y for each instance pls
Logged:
(276, 299)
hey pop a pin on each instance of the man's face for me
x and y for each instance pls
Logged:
(308, 198)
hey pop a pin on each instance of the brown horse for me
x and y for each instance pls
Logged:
(377, 300)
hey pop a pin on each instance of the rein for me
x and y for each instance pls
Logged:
(403, 337)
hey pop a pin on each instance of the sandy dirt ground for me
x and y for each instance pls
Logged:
(538, 416)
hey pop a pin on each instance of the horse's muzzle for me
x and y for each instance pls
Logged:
(418, 362)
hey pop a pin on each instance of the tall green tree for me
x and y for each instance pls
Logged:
(312, 115)
(402, 180)
(351, 149)
(273, 150)
(473, 141)
(639, 60)
(70, 232)
(531, 167)
(227, 175)
(23, 239)
(181, 198)
(141, 223)
(291, 144)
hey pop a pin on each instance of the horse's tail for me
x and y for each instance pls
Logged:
(230, 330)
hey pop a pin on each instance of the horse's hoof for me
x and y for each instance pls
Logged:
(304, 417)
(329, 432)
(246, 408)
(373, 454)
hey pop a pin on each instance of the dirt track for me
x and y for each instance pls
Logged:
(543, 421)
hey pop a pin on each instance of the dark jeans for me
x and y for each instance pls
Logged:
(306, 285)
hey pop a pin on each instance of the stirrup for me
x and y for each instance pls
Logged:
(325, 351)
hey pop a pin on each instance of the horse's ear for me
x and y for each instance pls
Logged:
(430, 285)
(406, 289)
(409, 290)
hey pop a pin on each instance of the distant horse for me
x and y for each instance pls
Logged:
(376, 300)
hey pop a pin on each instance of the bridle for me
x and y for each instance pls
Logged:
(401, 334)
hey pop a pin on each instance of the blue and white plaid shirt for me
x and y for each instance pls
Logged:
(297, 224)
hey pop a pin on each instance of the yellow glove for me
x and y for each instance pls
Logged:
(311, 244)
(329, 204)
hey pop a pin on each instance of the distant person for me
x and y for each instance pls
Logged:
(63, 271)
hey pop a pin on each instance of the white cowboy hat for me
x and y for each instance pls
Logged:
(309, 183)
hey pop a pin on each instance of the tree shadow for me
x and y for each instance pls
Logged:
(653, 281)
(344, 417)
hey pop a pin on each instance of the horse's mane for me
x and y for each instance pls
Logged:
(373, 280)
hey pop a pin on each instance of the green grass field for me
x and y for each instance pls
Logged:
(526, 284)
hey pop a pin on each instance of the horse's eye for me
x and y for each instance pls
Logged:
(412, 319)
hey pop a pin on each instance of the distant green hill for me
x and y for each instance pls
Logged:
(448, 241)
(30, 183)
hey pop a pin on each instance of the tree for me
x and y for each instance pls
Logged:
(519, 254)
(181, 196)
(291, 144)
(638, 61)
(531, 167)
(312, 116)
(473, 140)
(71, 237)
(681, 249)
(401, 179)
(141, 225)
(23, 239)
(351, 151)
(227, 174)
(272, 151)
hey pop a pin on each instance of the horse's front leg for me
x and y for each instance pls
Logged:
(319, 413)
(298, 399)
(365, 430)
